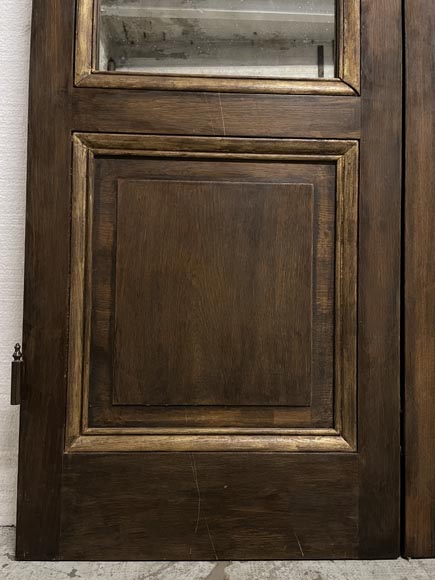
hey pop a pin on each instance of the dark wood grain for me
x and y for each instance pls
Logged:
(76, 503)
(420, 281)
(110, 173)
(213, 293)
(46, 281)
(201, 506)
(379, 279)
(102, 414)
(179, 113)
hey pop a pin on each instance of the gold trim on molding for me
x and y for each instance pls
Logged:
(348, 63)
(80, 437)
(137, 443)
(209, 431)
(146, 145)
(349, 43)
(346, 295)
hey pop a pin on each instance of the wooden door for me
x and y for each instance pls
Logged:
(211, 332)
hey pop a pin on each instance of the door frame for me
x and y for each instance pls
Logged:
(419, 283)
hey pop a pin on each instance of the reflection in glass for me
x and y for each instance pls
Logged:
(232, 38)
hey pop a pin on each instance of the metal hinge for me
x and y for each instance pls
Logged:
(17, 375)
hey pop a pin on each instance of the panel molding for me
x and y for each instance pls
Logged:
(130, 443)
(80, 437)
(348, 63)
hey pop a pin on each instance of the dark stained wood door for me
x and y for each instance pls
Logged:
(211, 331)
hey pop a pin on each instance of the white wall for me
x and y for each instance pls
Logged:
(14, 58)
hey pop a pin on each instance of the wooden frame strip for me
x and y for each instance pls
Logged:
(419, 287)
(349, 43)
(379, 259)
(77, 303)
(209, 443)
(45, 330)
(346, 295)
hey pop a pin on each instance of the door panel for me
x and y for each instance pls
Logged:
(186, 504)
(191, 317)
(220, 304)
(200, 315)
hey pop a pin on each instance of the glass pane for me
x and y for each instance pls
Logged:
(232, 38)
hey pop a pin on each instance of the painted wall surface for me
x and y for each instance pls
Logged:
(15, 18)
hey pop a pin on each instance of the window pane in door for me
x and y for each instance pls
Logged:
(283, 39)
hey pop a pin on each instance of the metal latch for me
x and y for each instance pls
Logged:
(17, 375)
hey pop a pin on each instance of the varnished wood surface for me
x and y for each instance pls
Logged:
(224, 147)
(268, 505)
(104, 415)
(112, 172)
(108, 442)
(339, 183)
(346, 288)
(213, 293)
(46, 282)
(223, 85)
(419, 347)
(379, 279)
(177, 113)
(208, 507)
(349, 42)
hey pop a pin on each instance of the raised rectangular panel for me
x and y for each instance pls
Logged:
(213, 293)
(213, 303)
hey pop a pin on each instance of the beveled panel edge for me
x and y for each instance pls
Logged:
(117, 144)
(80, 295)
(79, 437)
(348, 64)
(79, 212)
(84, 33)
(210, 417)
(208, 431)
(218, 85)
(346, 295)
(207, 443)
(349, 43)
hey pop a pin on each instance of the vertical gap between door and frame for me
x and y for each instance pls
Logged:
(402, 300)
